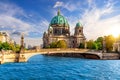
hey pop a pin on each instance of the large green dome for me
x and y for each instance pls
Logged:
(59, 20)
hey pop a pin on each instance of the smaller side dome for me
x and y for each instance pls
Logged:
(78, 24)
(50, 27)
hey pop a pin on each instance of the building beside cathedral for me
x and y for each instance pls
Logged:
(116, 46)
(4, 37)
(59, 29)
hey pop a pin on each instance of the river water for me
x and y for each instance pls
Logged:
(41, 67)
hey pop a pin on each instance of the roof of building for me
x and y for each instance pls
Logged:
(59, 19)
(78, 24)
(4, 33)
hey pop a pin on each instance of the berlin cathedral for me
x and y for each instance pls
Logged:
(59, 29)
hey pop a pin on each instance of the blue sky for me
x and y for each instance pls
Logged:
(99, 17)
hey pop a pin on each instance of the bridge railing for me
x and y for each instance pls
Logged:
(55, 49)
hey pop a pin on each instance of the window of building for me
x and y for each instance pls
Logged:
(79, 30)
(73, 41)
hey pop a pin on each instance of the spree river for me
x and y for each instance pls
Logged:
(41, 67)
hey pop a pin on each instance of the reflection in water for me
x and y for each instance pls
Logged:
(61, 68)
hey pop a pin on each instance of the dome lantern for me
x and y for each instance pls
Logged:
(58, 13)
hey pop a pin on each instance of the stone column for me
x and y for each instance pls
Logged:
(21, 56)
(22, 44)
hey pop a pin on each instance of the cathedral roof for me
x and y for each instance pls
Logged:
(59, 19)
(78, 24)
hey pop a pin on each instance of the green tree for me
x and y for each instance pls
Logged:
(9, 46)
(99, 42)
(99, 39)
(61, 44)
(90, 44)
(12, 47)
(94, 46)
(5, 46)
(17, 48)
(109, 42)
(99, 45)
(0, 45)
(48, 46)
(81, 45)
(53, 45)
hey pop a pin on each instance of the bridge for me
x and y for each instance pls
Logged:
(71, 52)
(83, 52)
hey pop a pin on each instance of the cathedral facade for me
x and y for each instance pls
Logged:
(59, 29)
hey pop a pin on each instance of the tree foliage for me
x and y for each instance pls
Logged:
(90, 44)
(98, 43)
(9, 46)
(81, 45)
(17, 48)
(5, 46)
(59, 44)
(109, 42)
(53, 45)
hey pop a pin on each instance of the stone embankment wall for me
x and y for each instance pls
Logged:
(8, 56)
(76, 55)
(111, 56)
(105, 56)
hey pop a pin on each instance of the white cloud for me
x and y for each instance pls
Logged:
(58, 4)
(10, 9)
(10, 22)
(93, 19)
(14, 23)
(97, 21)
(8, 19)
(90, 2)
(69, 5)
(94, 26)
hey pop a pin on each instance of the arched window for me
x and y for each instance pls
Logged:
(80, 31)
